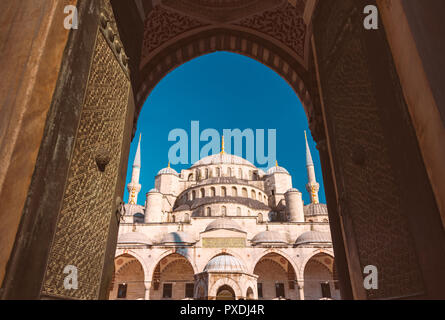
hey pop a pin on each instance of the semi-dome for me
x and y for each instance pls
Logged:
(314, 237)
(178, 237)
(277, 169)
(224, 223)
(134, 238)
(168, 170)
(316, 209)
(270, 237)
(224, 263)
(223, 158)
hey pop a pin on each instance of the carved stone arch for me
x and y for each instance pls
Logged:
(165, 254)
(233, 40)
(138, 257)
(225, 281)
(309, 257)
(279, 252)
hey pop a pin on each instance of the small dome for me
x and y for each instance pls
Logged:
(134, 238)
(269, 237)
(276, 169)
(154, 190)
(316, 209)
(168, 170)
(177, 237)
(293, 190)
(224, 223)
(224, 263)
(314, 237)
(222, 159)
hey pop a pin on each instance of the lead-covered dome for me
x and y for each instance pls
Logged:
(178, 237)
(224, 223)
(133, 238)
(168, 170)
(314, 237)
(316, 209)
(224, 158)
(270, 237)
(224, 263)
(277, 169)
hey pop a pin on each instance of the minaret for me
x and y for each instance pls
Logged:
(223, 151)
(312, 186)
(134, 187)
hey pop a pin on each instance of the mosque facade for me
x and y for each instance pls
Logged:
(224, 229)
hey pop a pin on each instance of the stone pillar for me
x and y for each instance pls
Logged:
(147, 290)
(300, 286)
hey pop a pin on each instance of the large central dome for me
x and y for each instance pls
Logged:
(222, 158)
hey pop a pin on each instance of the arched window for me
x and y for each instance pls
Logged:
(193, 195)
(212, 192)
(208, 212)
(203, 193)
(245, 193)
(218, 172)
(206, 176)
(234, 192)
(198, 175)
(253, 194)
(173, 219)
(240, 173)
(238, 211)
(223, 211)
(186, 218)
(229, 172)
(190, 177)
(260, 218)
(223, 192)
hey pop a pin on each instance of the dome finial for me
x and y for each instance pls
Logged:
(222, 145)
(169, 164)
(276, 163)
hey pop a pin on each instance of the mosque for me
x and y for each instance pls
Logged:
(224, 230)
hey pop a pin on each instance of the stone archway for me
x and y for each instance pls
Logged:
(318, 278)
(171, 276)
(277, 278)
(128, 280)
(377, 166)
(225, 282)
(225, 292)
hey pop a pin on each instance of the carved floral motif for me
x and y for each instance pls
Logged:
(284, 24)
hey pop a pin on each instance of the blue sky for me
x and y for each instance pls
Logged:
(223, 91)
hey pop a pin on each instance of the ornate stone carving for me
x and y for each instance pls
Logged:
(221, 11)
(284, 24)
(83, 224)
(370, 196)
(163, 25)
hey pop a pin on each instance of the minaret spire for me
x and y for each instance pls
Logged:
(222, 146)
(134, 187)
(312, 186)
